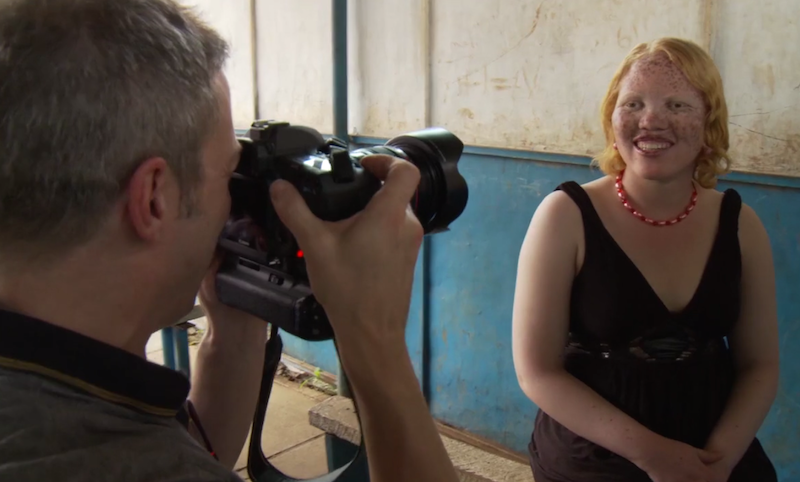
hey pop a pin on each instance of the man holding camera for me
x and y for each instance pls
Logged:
(116, 150)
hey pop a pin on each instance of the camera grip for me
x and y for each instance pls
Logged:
(273, 297)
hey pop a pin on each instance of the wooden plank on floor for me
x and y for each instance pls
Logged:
(481, 443)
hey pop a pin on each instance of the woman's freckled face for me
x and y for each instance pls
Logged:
(659, 119)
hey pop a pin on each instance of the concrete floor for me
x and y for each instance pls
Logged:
(290, 443)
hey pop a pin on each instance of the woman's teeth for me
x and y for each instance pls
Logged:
(652, 146)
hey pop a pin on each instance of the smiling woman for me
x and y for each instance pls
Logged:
(685, 86)
(644, 321)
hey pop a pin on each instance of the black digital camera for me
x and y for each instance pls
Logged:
(263, 269)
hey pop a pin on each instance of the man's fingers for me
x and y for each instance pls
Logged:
(293, 211)
(401, 179)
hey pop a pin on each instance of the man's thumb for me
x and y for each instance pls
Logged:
(293, 210)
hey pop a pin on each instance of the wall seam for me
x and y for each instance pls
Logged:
(254, 57)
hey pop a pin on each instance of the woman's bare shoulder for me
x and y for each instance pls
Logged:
(557, 209)
(555, 230)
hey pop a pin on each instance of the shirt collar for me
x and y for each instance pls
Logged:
(35, 346)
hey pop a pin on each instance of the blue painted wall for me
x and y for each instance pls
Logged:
(471, 272)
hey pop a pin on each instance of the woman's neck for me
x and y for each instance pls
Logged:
(659, 200)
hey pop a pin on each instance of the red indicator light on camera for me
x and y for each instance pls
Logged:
(299, 253)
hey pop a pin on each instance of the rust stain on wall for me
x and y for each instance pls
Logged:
(624, 41)
(710, 16)
(765, 76)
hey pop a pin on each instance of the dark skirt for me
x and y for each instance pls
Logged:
(680, 401)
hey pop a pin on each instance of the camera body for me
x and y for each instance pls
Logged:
(263, 269)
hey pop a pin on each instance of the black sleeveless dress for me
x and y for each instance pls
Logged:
(672, 372)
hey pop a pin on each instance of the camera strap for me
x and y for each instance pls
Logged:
(258, 467)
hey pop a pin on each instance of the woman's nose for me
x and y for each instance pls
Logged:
(653, 118)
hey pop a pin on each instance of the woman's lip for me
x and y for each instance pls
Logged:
(652, 139)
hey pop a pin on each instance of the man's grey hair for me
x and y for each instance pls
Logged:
(89, 89)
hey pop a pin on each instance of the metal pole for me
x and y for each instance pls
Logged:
(182, 360)
(339, 33)
(425, 322)
(168, 346)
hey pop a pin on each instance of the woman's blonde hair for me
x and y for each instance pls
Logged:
(702, 73)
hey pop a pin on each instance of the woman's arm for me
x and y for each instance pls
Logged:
(545, 272)
(754, 343)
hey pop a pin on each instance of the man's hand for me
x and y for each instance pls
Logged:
(362, 271)
(222, 317)
(227, 374)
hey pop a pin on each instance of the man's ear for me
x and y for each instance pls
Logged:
(149, 198)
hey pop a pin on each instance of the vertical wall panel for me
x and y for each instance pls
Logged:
(232, 20)
(294, 62)
(388, 66)
(757, 47)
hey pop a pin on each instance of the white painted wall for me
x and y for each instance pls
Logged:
(232, 19)
(531, 75)
(295, 69)
(757, 47)
(510, 73)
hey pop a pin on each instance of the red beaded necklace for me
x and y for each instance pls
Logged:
(624, 198)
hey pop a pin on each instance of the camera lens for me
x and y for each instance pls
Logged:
(442, 193)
